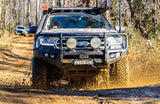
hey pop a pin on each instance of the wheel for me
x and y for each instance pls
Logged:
(120, 72)
(53, 75)
(39, 74)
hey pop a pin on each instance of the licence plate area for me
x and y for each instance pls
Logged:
(83, 62)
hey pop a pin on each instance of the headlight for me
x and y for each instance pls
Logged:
(115, 42)
(71, 43)
(48, 41)
(96, 43)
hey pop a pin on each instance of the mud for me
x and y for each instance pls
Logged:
(15, 81)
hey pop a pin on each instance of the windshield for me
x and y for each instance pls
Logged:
(19, 27)
(76, 21)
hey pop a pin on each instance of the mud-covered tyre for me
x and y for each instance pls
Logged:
(39, 74)
(121, 72)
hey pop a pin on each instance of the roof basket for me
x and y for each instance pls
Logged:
(90, 10)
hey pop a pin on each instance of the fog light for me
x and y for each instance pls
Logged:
(96, 42)
(46, 54)
(112, 55)
(71, 43)
(52, 56)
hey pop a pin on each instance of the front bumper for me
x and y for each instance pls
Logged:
(65, 56)
(98, 58)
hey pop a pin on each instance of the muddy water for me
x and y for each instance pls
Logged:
(144, 68)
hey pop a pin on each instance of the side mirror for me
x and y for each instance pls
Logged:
(32, 29)
(117, 28)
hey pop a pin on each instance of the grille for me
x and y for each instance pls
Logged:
(80, 38)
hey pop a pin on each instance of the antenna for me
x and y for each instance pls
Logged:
(106, 2)
(119, 16)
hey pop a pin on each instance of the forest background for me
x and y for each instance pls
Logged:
(142, 16)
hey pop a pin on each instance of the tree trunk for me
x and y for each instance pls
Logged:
(135, 16)
(0, 11)
(154, 20)
(37, 11)
(29, 10)
(87, 3)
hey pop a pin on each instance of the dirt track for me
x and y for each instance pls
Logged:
(15, 83)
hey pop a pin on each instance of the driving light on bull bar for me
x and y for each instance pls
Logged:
(112, 55)
(71, 43)
(95, 42)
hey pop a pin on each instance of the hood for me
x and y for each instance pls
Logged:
(78, 31)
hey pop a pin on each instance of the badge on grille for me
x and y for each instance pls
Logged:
(82, 43)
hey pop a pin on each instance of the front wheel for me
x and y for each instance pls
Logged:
(39, 74)
(120, 72)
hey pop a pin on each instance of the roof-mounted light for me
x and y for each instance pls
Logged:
(45, 7)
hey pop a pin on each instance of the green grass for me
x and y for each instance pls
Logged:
(5, 44)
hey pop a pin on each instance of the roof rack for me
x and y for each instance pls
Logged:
(90, 10)
(93, 10)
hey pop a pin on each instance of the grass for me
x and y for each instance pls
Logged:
(4, 45)
(6, 41)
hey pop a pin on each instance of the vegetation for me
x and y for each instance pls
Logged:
(137, 15)
(6, 41)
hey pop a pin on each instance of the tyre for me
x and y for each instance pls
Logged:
(53, 75)
(39, 74)
(120, 72)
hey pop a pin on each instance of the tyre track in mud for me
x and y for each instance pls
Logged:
(141, 95)
(4, 98)
(15, 64)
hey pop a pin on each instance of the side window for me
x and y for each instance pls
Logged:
(47, 23)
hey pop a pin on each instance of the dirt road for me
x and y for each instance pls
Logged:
(15, 76)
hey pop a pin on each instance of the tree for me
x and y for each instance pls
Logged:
(29, 17)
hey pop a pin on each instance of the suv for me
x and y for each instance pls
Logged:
(76, 44)
(21, 30)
